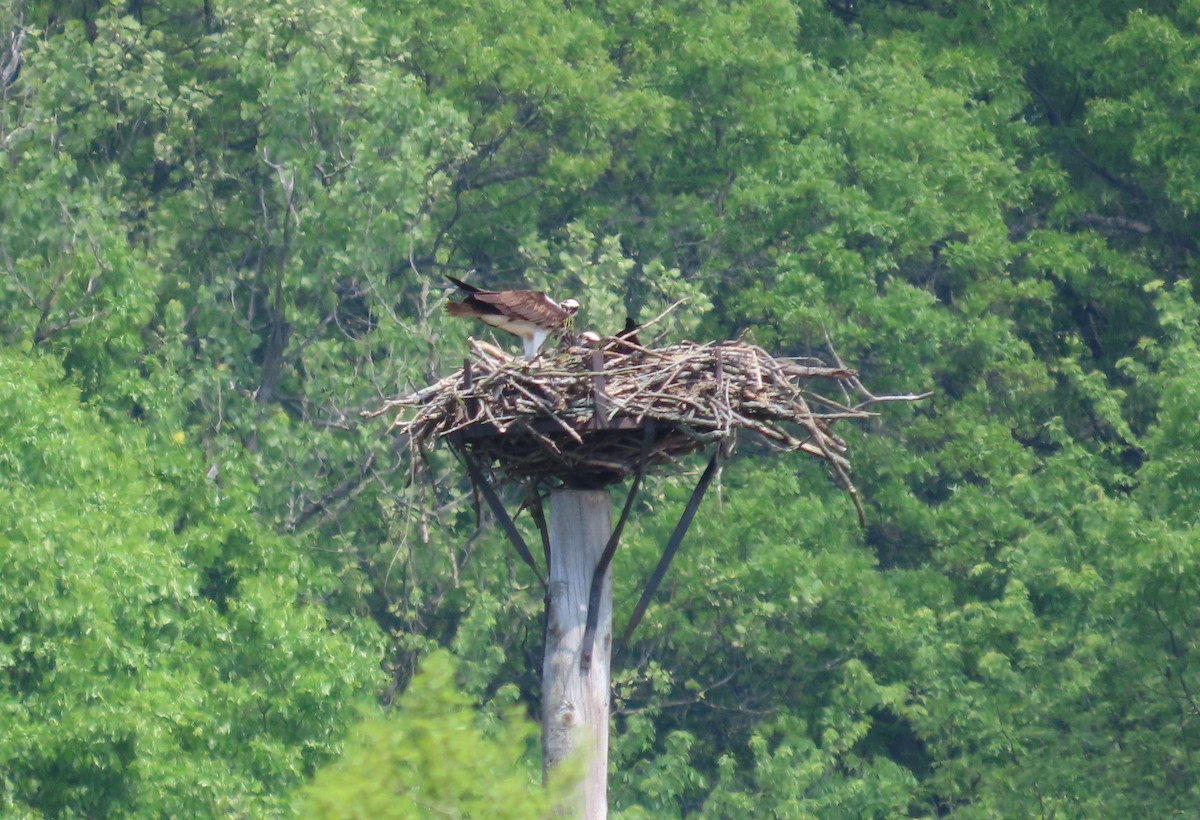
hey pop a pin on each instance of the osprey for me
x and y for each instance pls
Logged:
(528, 314)
(629, 334)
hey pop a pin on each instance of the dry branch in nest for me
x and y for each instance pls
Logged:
(579, 416)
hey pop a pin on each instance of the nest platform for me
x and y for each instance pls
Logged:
(592, 415)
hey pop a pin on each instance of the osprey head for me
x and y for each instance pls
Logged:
(570, 307)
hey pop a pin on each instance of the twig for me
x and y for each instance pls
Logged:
(540, 411)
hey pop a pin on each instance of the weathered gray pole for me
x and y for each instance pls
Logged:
(575, 703)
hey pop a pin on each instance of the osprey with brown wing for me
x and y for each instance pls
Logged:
(529, 315)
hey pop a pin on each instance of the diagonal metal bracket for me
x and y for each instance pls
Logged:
(510, 529)
(681, 529)
(539, 518)
(610, 549)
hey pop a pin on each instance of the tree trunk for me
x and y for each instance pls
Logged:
(575, 704)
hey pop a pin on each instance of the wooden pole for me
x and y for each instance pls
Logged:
(575, 703)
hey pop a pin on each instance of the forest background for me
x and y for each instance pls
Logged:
(223, 228)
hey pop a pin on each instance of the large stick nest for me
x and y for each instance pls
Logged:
(588, 416)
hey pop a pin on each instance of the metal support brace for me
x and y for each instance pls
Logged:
(610, 549)
(672, 546)
(539, 518)
(485, 487)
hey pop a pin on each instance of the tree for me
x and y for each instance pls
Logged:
(159, 657)
(437, 753)
(228, 224)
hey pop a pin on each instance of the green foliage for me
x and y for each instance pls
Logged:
(436, 754)
(224, 235)
(158, 657)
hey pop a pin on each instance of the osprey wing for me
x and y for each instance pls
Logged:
(529, 305)
(463, 286)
